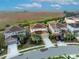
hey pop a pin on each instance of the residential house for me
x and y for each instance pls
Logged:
(12, 32)
(11, 37)
(73, 19)
(73, 25)
(53, 28)
(74, 29)
(42, 29)
(62, 26)
(56, 29)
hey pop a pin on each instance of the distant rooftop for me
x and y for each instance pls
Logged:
(74, 17)
(58, 25)
(38, 25)
(13, 29)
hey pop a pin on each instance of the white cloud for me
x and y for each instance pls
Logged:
(62, 2)
(18, 7)
(28, 6)
(54, 0)
(56, 6)
(43, 0)
(32, 5)
(75, 3)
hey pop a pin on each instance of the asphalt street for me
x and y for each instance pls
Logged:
(39, 54)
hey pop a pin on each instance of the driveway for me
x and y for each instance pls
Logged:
(38, 54)
(46, 40)
(12, 51)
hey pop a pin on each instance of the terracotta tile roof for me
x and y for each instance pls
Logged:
(38, 25)
(73, 18)
(13, 29)
(54, 25)
(58, 25)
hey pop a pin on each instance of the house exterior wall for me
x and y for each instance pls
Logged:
(15, 40)
(38, 29)
(14, 33)
(71, 29)
(53, 30)
(11, 40)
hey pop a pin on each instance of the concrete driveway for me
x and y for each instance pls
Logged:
(12, 51)
(46, 40)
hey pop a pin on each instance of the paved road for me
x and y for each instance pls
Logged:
(71, 49)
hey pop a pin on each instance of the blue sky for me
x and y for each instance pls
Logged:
(38, 5)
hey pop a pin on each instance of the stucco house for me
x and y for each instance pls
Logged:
(53, 28)
(42, 29)
(73, 25)
(12, 32)
(62, 26)
(74, 29)
(73, 19)
(11, 38)
(56, 29)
